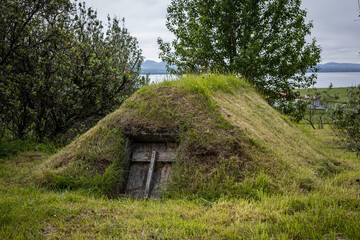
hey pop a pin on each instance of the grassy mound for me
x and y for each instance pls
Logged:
(232, 144)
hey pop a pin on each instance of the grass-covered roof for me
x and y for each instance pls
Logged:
(231, 143)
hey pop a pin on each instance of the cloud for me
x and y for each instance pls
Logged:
(335, 25)
(145, 19)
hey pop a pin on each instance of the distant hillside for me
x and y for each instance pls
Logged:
(152, 67)
(339, 67)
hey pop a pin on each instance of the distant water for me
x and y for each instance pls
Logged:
(155, 78)
(338, 79)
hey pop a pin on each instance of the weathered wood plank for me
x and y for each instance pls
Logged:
(145, 157)
(160, 147)
(149, 177)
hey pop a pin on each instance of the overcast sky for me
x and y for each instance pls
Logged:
(335, 25)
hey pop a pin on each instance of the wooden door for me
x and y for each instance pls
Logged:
(150, 167)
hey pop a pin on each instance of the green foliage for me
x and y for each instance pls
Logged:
(232, 144)
(331, 211)
(207, 85)
(346, 119)
(97, 164)
(264, 41)
(61, 68)
(340, 93)
(12, 148)
(8, 149)
(296, 110)
(261, 179)
(326, 97)
(107, 183)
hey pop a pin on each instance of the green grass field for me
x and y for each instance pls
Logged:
(331, 211)
(341, 92)
(342, 98)
(243, 171)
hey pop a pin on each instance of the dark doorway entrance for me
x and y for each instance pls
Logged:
(150, 163)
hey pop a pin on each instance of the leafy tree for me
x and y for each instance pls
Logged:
(346, 119)
(102, 68)
(296, 110)
(326, 98)
(60, 67)
(26, 68)
(263, 40)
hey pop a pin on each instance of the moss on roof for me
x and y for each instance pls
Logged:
(232, 143)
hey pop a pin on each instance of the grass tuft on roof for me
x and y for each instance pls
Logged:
(232, 144)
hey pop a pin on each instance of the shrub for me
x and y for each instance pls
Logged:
(346, 120)
(61, 68)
